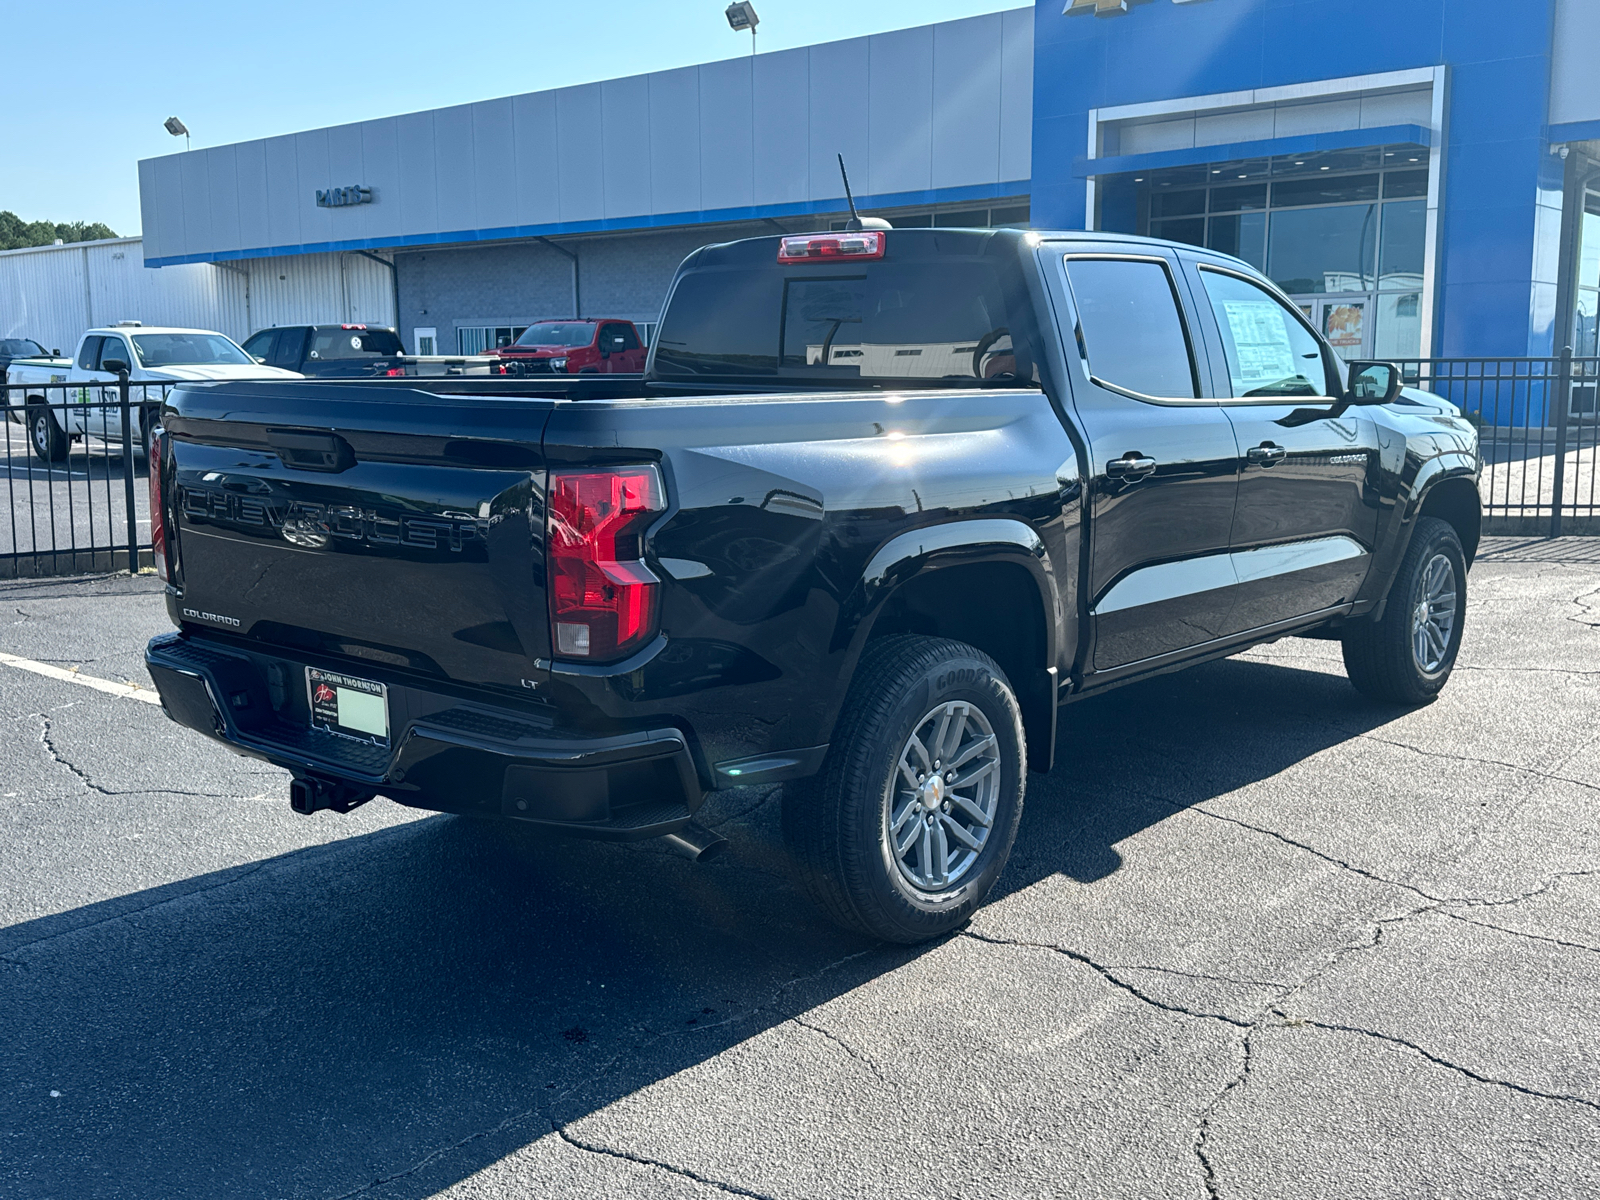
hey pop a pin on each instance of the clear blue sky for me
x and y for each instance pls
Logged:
(86, 86)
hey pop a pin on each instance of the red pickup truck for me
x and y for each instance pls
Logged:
(583, 347)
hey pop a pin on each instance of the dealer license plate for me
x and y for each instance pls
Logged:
(347, 706)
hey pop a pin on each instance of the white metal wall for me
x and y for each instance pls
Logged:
(936, 107)
(309, 289)
(53, 293)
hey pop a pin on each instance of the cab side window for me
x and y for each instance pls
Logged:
(630, 339)
(1269, 349)
(1130, 327)
(89, 354)
(114, 347)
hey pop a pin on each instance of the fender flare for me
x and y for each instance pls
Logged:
(1451, 464)
(930, 548)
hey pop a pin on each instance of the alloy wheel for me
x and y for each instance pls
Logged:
(1433, 616)
(941, 802)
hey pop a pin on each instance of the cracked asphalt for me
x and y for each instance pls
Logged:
(1259, 938)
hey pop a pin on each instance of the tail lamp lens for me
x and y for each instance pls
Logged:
(158, 526)
(604, 602)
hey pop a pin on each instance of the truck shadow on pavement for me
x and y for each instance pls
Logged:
(387, 1014)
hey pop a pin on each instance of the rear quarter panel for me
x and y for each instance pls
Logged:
(777, 505)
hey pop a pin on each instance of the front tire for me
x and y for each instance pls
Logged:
(49, 443)
(1407, 657)
(912, 820)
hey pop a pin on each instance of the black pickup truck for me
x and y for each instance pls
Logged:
(881, 503)
(353, 352)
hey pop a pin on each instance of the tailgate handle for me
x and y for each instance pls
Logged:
(312, 451)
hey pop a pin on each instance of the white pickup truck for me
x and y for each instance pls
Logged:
(89, 405)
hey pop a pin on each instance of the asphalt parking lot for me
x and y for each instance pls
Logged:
(1260, 938)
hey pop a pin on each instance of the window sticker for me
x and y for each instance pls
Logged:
(1261, 338)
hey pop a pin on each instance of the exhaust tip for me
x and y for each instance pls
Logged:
(696, 843)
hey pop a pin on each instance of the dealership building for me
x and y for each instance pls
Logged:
(1422, 176)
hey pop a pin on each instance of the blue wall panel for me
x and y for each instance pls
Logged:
(1492, 243)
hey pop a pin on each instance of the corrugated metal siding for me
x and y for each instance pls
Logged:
(54, 293)
(318, 288)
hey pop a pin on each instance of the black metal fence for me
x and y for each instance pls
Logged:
(78, 499)
(76, 483)
(1539, 430)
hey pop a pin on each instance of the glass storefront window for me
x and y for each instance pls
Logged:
(1185, 229)
(1315, 250)
(1405, 231)
(1331, 189)
(1243, 235)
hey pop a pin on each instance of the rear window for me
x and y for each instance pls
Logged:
(355, 343)
(924, 319)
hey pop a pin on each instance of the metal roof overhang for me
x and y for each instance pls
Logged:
(1308, 143)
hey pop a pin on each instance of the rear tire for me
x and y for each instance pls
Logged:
(1407, 656)
(49, 443)
(912, 819)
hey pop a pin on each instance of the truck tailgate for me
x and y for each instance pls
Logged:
(343, 520)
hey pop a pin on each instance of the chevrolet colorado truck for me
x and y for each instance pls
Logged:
(880, 504)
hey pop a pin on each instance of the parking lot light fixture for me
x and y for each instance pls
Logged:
(742, 15)
(177, 129)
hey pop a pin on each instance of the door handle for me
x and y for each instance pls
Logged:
(1131, 465)
(1266, 454)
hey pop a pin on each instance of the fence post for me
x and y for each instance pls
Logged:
(1563, 405)
(127, 472)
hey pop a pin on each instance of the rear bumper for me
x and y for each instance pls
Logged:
(445, 754)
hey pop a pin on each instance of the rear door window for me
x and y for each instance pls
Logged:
(1131, 327)
(287, 352)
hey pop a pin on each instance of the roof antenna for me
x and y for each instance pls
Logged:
(857, 221)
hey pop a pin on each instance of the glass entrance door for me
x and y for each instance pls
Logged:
(1345, 320)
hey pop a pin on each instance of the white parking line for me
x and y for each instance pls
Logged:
(129, 690)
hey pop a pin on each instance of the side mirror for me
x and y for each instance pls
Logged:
(604, 353)
(56, 353)
(259, 359)
(1374, 382)
(116, 366)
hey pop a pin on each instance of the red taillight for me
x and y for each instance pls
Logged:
(603, 599)
(158, 526)
(392, 371)
(821, 247)
(352, 327)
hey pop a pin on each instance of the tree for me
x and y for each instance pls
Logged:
(15, 233)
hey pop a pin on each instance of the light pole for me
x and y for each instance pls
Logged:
(177, 129)
(742, 15)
